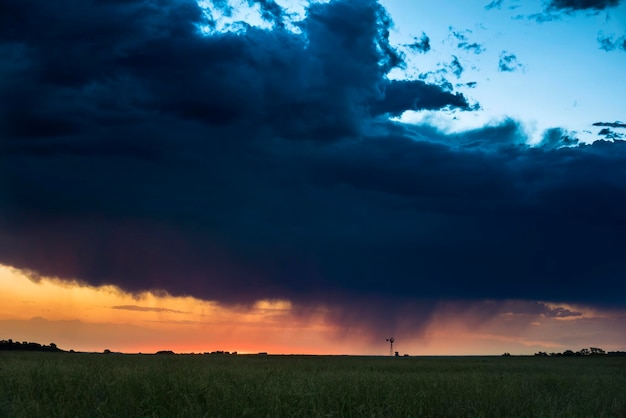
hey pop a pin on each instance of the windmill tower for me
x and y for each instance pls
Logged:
(390, 340)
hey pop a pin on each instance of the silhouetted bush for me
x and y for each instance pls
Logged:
(10, 345)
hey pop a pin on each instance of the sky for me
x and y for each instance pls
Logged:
(313, 177)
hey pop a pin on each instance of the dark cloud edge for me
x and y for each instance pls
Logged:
(557, 9)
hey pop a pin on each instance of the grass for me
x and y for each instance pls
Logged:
(89, 385)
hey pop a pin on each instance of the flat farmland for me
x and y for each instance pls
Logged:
(123, 385)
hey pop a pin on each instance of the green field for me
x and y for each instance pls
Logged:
(88, 385)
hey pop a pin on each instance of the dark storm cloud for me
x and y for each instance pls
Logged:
(401, 95)
(438, 77)
(508, 62)
(421, 44)
(270, 11)
(556, 138)
(262, 164)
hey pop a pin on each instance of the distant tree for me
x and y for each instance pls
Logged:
(596, 351)
(27, 346)
(107, 351)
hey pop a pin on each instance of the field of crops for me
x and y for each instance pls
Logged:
(88, 385)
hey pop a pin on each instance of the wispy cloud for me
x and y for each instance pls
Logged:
(495, 4)
(146, 309)
(611, 42)
(616, 124)
(571, 5)
(476, 48)
(421, 44)
(508, 62)
(556, 9)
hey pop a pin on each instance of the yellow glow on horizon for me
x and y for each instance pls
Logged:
(147, 321)
(87, 318)
(60, 300)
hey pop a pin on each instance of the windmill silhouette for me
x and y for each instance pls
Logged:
(390, 340)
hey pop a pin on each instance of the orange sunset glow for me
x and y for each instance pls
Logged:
(86, 318)
(313, 177)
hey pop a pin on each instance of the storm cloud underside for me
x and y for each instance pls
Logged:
(256, 164)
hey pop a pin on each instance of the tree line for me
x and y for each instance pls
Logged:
(10, 345)
(591, 351)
